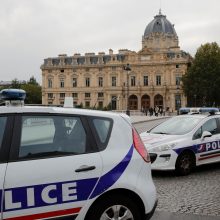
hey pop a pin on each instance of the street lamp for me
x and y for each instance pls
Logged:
(127, 68)
(178, 99)
(195, 100)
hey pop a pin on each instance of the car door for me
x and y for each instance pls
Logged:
(208, 148)
(5, 125)
(53, 167)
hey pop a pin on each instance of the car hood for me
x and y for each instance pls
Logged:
(150, 140)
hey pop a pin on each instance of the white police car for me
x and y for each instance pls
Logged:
(185, 141)
(65, 163)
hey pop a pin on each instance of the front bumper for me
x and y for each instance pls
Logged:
(164, 160)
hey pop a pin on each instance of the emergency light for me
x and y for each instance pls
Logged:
(211, 111)
(13, 97)
(184, 110)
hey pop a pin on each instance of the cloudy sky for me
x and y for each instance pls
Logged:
(31, 30)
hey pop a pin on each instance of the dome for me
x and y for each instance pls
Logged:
(160, 25)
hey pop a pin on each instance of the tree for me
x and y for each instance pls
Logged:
(15, 84)
(33, 81)
(201, 83)
(33, 93)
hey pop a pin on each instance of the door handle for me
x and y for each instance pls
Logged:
(84, 168)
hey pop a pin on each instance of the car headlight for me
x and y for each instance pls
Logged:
(163, 147)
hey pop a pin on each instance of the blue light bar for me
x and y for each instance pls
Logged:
(13, 94)
(184, 110)
(209, 110)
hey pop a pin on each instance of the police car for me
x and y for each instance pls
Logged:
(185, 141)
(66, 163)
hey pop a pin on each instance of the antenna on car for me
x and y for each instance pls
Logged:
(13, 97)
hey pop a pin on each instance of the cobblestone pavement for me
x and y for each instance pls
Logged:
(198, 193)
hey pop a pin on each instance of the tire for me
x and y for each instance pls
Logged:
(114, 207)
(185, 163)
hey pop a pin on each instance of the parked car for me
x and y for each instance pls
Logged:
(184, 142)
(71, 164)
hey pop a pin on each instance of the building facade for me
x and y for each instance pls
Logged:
(124, 80)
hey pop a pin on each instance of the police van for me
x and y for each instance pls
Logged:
(67, 163)
(183, 142)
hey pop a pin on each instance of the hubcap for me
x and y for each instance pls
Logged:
(117, 212)
(186, 163)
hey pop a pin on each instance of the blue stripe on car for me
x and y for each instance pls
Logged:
(113, 175)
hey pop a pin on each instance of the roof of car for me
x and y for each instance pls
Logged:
(48, 109)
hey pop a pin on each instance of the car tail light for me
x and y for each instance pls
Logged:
(139, 146)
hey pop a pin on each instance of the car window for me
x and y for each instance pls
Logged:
(210, 125)
(176, 125)
(51, 135)
(102, 127)
(2, 128)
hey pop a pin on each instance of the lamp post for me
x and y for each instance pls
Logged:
(195, 100)
(178, 99)
(127, 68)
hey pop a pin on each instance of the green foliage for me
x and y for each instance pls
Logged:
(33, 93)
(201, 84)
(32, 88)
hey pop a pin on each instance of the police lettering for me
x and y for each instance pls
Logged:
(49, 194)
(212, 145)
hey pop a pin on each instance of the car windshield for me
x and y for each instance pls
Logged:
(176, 126)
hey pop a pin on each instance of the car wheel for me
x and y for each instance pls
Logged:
(185, 163)
(115, 208)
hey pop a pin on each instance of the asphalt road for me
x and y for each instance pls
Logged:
(193, 197)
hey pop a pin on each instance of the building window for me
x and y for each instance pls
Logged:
(61, 102)
(50, 83)
(87, 95)
(50, 103)
(100, 95)
(87, 82)
(178, 79)
(49, 71)
(62, 95)
(87, 104)
(113, 68)
(50, 95)
(62, 83)
(145, 80)
(158, 80)
(100, 105)
(177, 66)
(75, 95)
(100, 81)
(74, 82)
(62, 71)
(133, 81)
(113, 80)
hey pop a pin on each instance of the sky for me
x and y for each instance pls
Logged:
(32, 30)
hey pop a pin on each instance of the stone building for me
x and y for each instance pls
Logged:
(153, 77)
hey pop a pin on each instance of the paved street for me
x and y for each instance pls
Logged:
(196, 196)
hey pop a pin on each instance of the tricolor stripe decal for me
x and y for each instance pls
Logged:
(46, 215)
(113, 175)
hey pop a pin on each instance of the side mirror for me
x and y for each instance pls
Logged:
(206, 134)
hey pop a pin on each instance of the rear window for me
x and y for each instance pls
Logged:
(2, 128)
(102, 129)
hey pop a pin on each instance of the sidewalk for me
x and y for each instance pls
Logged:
(137, 118)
